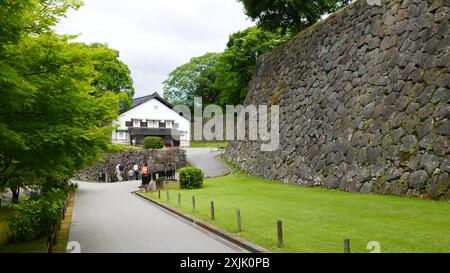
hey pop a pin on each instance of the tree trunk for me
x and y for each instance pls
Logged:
(15, 194)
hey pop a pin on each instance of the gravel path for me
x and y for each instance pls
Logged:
(108, 218)
(206, 160)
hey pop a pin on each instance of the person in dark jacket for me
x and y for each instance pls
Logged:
(146, 177)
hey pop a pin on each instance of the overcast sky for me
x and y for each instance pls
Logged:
(156, 36)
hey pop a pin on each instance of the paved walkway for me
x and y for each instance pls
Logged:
(206, 160)
(108, 218)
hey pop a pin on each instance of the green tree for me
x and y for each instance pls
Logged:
(59, 127)
(293, 15)
(52, 119)
(192, 79)
(235, 66)
(20, 18)
(114, 75)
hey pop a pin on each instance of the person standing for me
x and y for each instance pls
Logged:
(130, 174)
(118, 173)
(145, 172)
(136, 171)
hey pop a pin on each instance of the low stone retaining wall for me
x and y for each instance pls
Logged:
(161, 160)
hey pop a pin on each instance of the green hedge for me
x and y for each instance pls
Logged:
(153, 143)
(191, 178)
(35, 217)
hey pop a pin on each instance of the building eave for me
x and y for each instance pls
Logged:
(141, 100)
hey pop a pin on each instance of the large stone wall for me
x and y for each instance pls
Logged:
(161, 160)
(364, 100)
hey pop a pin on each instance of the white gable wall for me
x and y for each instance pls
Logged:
(152, 110)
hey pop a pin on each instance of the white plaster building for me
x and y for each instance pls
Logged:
(152, 116)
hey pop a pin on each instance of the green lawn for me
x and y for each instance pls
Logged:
(317, 220)
(209, 144)
(37, 246)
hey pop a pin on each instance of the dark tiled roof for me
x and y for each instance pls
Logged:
(141, 100)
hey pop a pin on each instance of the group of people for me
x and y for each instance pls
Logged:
(132, 174)
(144, 171)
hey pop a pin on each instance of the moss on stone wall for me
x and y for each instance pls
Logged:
(364, 95)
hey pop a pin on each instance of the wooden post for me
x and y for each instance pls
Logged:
(49, 244)
(193, 203)
(347, 246)
(280, 233)
(239, 224)
(179, 200)
(159, 194)
(55, 233)
(64, 210)
(168, 197)
(213, 216)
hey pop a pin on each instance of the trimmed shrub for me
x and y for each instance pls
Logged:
(191, 178)
(153, 143)
(36, 216)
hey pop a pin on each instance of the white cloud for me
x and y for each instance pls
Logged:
(156, 36)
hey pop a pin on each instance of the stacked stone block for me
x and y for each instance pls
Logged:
(364, 100)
